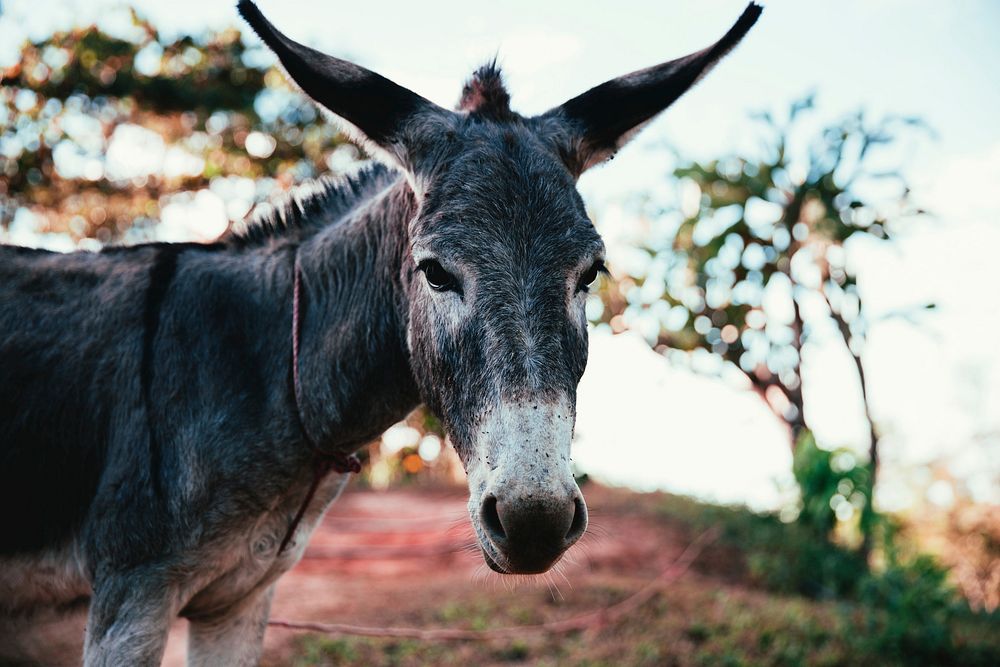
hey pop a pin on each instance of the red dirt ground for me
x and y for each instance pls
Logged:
(407, 559)
(383, 558)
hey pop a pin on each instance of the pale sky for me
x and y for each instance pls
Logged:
(935, 390)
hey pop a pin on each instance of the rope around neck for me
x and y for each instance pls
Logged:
(325, 462)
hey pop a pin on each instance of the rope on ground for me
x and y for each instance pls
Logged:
(597, 618)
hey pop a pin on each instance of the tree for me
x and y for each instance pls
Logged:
(756, 266)
(100, 133)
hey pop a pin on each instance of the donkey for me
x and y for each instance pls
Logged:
(176, 418)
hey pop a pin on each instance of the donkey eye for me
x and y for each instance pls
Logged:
(436, 276)
(590, 275)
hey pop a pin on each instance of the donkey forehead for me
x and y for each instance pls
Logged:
(504, 191)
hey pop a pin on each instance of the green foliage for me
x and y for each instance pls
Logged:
(754, 268)
(315, 650)
(790, 557)
(756, 242)
(516, 651)
(827, 480)
(804, 565)
(784, 557)
(63, 105)
(903, 613)
(193, 75)
(911, 611)
(909, 608)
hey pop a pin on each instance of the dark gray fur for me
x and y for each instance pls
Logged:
(148, 424)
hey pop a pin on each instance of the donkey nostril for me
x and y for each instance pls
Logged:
(579, 525)
(491, 519)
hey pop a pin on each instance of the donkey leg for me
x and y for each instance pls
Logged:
(234, 637)
(129, 619)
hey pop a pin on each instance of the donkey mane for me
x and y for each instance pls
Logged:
(311, 205)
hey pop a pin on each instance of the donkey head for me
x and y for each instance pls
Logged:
(501, 254)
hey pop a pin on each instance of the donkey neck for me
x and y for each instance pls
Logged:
(353, 360)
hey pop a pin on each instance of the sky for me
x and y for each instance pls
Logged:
(935, 388)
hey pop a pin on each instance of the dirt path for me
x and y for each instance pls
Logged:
(386, 558)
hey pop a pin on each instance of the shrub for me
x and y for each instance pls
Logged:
(908, 607)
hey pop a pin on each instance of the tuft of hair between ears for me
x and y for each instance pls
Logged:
(485, 94)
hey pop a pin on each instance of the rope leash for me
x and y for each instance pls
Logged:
(326, 462)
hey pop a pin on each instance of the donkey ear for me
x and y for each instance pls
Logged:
(374, 109)
(603, 119)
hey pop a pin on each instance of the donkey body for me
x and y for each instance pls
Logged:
(173, 497)
(153, 447)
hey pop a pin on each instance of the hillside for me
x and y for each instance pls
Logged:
(404, 558)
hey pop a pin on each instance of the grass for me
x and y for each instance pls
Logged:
(724, 612)
(695, 623)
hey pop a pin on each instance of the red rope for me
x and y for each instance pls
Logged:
(596, 618)
(325, 461)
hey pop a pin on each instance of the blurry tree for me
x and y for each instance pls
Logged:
(100, 133)
(756, 264)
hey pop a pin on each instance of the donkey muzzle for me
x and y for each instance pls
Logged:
(530, 532)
